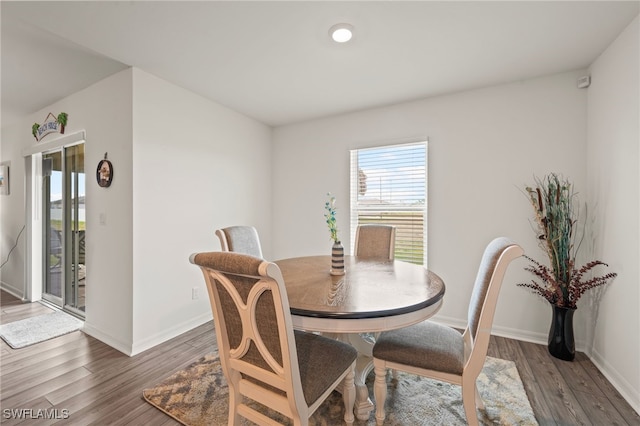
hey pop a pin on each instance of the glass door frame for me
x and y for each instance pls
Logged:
(34, 262)
(48, 231)
(61, 282)
(73, 268)
(63, 176)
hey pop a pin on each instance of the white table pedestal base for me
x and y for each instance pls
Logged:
(363, 405)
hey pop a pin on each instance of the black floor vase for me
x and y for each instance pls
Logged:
(561, 341)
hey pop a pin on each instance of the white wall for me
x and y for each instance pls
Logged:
(12, 217)
(614, 190)
(197, 166)
(103, 111)
(484, 146)
(183, 166)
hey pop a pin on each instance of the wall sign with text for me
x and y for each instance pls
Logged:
(52, 124)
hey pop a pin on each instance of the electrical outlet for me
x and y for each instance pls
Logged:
(195, 293)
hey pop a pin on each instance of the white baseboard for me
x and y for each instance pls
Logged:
(526, 336)
(131, 349)
(107, 339)
(11, 290)
(178, 329)
(511, 333)
(632, 396)
(538, 338)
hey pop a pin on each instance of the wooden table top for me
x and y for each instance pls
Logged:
(369, 288)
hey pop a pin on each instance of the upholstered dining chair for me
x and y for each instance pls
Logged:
(375, 241)
(263, 359)
(240, 239)
(443, 353)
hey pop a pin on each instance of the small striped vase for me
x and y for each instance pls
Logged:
(337, 259)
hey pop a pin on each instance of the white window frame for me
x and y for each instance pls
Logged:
(391, 207)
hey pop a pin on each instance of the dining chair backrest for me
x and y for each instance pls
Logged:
(374, 241)
(484, 297)
(240, 239)
(262, 358)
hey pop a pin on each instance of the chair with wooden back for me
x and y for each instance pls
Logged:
(240, 239)
(443, 353)
(375, 241)
(263, 359)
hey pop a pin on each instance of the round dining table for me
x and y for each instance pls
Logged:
(372, 296)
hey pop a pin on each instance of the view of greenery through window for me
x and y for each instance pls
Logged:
(389, 186)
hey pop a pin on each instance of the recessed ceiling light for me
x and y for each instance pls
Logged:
(341, 33)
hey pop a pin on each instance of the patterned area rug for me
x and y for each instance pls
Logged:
(198, 396)
(19, 334)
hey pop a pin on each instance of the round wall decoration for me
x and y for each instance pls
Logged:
(104, 173)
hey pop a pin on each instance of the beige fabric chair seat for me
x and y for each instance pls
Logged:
(317, 354)
(425, 345)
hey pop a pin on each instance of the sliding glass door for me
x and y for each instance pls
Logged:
(53, 231)
(65, 273)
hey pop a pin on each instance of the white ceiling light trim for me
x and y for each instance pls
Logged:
(341, 33)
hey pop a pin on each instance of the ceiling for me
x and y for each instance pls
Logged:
(274, 61)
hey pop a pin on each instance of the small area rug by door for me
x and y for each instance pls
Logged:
(198, 395)
(19, 334)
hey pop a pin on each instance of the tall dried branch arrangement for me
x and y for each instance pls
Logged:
(561, 283)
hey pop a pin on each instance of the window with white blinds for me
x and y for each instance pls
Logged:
(389, 186)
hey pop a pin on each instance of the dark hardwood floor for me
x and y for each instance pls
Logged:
(99, 385)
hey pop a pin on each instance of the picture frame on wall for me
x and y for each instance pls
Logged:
(4, 179)
(104, 173)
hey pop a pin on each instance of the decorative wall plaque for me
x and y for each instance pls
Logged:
(52, 124)
(104, 172)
